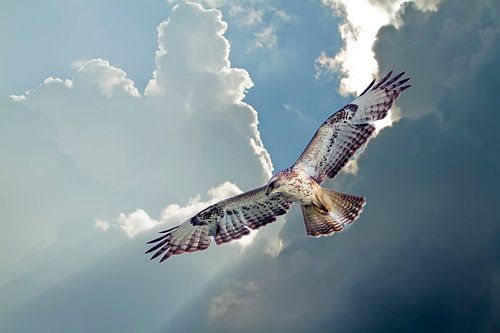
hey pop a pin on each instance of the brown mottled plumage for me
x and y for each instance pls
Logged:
(325, 211)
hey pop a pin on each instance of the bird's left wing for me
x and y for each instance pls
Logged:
(348, 129)
(225, 221)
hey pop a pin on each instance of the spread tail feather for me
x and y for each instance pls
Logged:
(331, 212)
(318, 222)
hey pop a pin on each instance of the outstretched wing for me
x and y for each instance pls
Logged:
(348, 129)
(225, 221)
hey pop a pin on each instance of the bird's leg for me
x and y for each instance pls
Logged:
(319, 203)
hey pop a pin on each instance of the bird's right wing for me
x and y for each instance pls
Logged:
(225, 221)
(348, 129)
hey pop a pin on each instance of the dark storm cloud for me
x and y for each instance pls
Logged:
(425, 255)
(442, 50)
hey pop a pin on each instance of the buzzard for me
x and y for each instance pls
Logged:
(325, 211)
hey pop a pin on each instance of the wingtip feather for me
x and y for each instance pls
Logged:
(156, 255)
(156, 240)
(368, 87)
(403, 88)
(392, 80)
(168, 230)
(384, 79)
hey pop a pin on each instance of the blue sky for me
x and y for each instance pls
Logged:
(115, 124)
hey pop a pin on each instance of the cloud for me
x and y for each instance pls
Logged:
(264, 39)
(282, 14)
(101, 224)
(246, 15)
(194, 98)
(356, 59)
(254, 14)
(94, 145)
(264, 18)
(136, 222)
(261, 18)
(430, 183)
(168, 108)
(453, 59)
(358, 29)
(290, 108)
(231, 298)
(174, 214)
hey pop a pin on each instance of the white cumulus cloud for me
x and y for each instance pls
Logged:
(358, 29)
(136, 222)
(175, 214)
(94, 145)
(101, 224)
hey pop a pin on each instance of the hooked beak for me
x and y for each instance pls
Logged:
(268, 190)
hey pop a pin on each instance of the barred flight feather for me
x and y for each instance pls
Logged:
(225, 221)
(347, 130)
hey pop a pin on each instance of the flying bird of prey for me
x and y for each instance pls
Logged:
(325, 211)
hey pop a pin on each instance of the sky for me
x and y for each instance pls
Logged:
(119, 119)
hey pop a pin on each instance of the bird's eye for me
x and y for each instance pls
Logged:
(270, 187)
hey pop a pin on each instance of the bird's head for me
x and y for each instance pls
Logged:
(275, 183)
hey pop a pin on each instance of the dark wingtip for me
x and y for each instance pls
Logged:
(392, 80)
(400, 82)
(381, 82)
(405, 87)
(168, 230)
(165, 257)
(160, 244)
(155, 255)
(368, 88)
(150, 250)
(156, 239)
(385, 78)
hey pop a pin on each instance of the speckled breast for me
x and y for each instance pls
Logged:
(300, 187)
